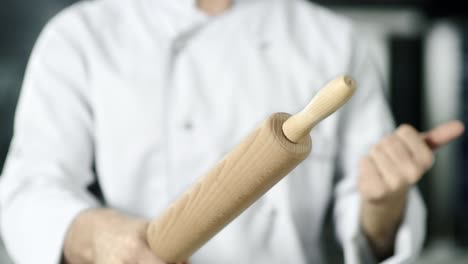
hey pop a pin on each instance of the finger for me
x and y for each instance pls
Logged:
(387, 169)
(401, 156)
(421, 153)
(443, 134)
(396, 149)
(371, 185)
(147, 257)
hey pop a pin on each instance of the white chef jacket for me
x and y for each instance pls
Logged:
(152, 93)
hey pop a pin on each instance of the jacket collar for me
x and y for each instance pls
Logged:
(180, 16)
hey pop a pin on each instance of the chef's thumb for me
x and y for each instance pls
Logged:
(443, 134)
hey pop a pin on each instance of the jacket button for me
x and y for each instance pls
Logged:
(188, 126)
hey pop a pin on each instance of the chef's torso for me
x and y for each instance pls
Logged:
(173, 91)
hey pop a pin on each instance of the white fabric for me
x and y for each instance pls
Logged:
(154, 93)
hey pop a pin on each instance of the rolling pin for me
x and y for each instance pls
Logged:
(260, 161)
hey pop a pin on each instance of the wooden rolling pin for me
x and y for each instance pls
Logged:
(274, 149)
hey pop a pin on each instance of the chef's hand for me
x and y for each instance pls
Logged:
(104, 236)
(391, 168)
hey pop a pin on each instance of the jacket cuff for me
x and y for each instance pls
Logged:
(408, 241)
(40, 230)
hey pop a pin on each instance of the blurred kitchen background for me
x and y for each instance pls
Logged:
(422, 48)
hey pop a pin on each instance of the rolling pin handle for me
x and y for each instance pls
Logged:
(329, 99)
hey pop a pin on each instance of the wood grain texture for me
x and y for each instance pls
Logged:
(329, 99)
(275, 148)
(245, 174)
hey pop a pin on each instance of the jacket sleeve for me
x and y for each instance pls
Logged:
(49, 164)
(365, 120)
